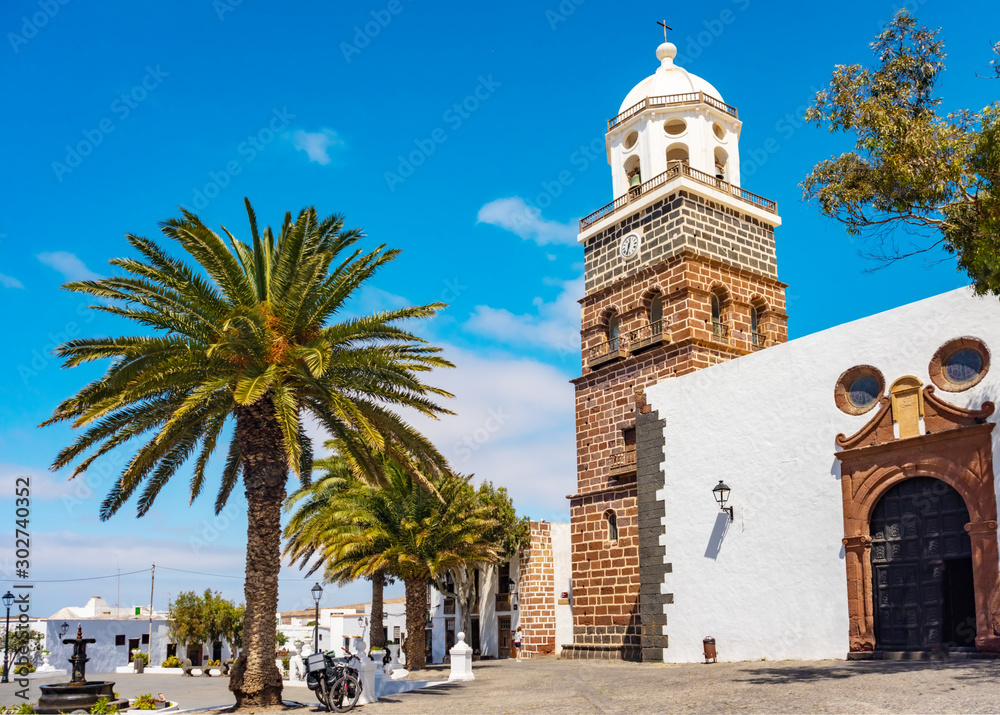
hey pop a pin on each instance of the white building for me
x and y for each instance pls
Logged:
(861, 473)
(118, 631)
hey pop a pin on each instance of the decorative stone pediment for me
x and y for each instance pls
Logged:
(905, 406)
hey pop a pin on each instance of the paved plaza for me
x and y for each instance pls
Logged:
(548, 685)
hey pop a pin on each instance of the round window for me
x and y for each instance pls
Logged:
(859, 389)
(963, 366)
(959, 364)
(673, 127)
(719, 131)
(630, 139)
(864, 391)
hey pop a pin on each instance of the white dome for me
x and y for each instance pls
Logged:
(668, 79)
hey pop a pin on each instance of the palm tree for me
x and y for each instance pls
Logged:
(248, 336)
(354, 529)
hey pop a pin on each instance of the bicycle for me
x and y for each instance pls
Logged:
(334, 681)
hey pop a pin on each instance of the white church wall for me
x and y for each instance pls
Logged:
(772, 584)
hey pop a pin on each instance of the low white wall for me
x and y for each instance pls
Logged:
(562, 567)
(772, 584)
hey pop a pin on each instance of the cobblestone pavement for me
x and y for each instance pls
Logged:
(557, 686)
(548, 685)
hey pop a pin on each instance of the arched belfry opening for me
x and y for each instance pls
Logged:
(633, 172)
(921, 559)
(678, 153)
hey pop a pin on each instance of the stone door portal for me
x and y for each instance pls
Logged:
(921, 559)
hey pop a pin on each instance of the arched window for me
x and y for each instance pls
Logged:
(613, 331)
(656, 315)
(612, 525)
(757, 311)
(718, 329)
(632, 171)
(721, 164)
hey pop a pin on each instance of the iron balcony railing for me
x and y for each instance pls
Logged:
(758, 340)
(673, 100)
(650, 334)
(720, 331)
(606, 351)
(675, 169)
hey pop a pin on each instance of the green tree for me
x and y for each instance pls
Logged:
(934, 176)
(24, 641)
(511, 532)
(249, 337)
(187, 619)
(355, 530)
(508, 535)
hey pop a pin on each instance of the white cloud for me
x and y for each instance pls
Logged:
(514, 424)
(42, 485)
(71, 267)
(555, 325)
(514, 215)
(10, 282)
(317, 145)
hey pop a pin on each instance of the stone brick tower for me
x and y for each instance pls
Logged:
(680, 274)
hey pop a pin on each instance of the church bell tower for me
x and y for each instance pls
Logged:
(680, 274)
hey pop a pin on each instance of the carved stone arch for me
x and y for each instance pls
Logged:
(959, 477)
(760, 303)
(723, 292)
(651, 294)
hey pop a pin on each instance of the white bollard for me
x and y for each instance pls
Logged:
(366, 674)
(296, 668)
(461, 660)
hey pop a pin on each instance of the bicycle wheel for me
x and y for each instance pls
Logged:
(345, 693)
(322, 695)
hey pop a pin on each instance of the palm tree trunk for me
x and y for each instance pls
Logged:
(376, 638)
(416, 619)
(255, 679)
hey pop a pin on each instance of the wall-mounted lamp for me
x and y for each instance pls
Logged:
(721, 493)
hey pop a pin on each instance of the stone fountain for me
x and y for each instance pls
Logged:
(79, 693)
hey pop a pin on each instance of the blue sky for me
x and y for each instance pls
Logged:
(432, 126)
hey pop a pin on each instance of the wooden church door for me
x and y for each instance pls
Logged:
(922, 568)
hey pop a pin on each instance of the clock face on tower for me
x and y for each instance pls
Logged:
(629, 246)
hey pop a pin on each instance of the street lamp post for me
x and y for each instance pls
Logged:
(8, 601)
(317, 592)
